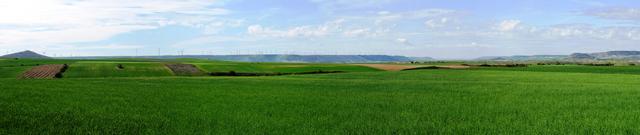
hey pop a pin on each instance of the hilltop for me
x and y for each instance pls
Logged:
(25, 54)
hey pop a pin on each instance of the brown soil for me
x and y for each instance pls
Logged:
(393, 67)
(291, 66)
(184, 69)
(389, 67)
(455, 67)
(43, 72)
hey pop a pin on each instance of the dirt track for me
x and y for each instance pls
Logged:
(393, 67)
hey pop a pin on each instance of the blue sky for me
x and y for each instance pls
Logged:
(448, 29)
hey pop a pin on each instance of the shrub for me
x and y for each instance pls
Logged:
(599, 64)
(64, 69)
(516, 65)
(421, 68)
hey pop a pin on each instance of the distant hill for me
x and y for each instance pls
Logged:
(581, 56)
(25, 54)
(422, 58)
(286, 58)
(635, 55)
(523, 57)
(610, 55)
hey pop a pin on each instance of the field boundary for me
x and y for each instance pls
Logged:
(394, 67)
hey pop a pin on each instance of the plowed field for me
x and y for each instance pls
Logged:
(184, 69)
(43, 72)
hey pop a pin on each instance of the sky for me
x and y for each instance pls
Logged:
(444, 29)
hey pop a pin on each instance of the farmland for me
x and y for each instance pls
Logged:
(45, 71)
(567, 99)
(279, 67)
(577, 69)
(158, 68)
(93, 69)
(12, 72)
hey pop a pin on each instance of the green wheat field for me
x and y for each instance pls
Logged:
(145, 97)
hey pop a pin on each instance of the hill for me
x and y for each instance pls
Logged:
(282, 58)
(635, 55)
(610, 55)
(26, 54)
(523, 57)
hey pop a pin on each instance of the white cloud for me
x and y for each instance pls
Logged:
(357, 32)
(386, 16)
(384, 13)
(514, 30)
(382, 23)
(64, 21)
(338, 5)
(299, 31)
(581, 31)
(437, 22)
(507, 25)
(616, 13)
(403, 41)
(79, 34)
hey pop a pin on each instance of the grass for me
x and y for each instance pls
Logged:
(88, 69)
(409, 102)
(574, 69)
(278, 67)
(32, 62)
(12, 68)
(12, 72)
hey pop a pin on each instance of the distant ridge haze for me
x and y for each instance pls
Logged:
(629, 55)
(620, 54)
(284, 58)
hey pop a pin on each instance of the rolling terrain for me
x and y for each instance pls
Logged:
(282, 58)
(96, 69)
(148, 99)
(279, 67)
(11, 68)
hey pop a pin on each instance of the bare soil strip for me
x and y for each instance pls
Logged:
(389, 67)
(184, 69)
(43, 72)
(455, 67)
(393, 67)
